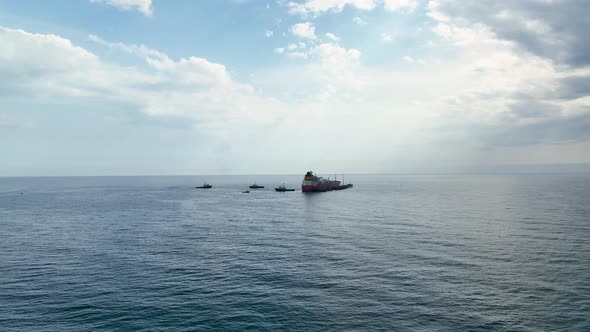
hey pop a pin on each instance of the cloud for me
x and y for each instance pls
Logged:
(316, 7)
(548, 131)
(34, 61)
(268, 33)
(409, 59)
(297, 55)
(556, 30)
(481, 91)
(532, 109)
(575, 86)
(386, 37)
(201, 91)
(142, 6)
(332, 37)
(359, 21)
(522, 80)
(336, 55)
(304, 30)
(397, 5)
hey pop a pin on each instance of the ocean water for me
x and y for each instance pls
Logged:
(395, 253)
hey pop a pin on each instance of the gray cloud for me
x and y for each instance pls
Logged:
(557, 30)
(534, 109)
(573, 128)
(574, 87)
(553, 30)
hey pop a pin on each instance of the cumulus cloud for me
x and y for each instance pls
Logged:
(336, 55)
(521, 66)
(40, 65)
(551, 29)
(397, 5)
(142, 6)
(486, 88)
(304, 30)
(328, 53)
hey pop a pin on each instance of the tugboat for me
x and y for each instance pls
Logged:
(282, 188)
(314, 183)
(255, 186)
(205, 186)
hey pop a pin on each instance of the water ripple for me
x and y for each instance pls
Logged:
(416, 253)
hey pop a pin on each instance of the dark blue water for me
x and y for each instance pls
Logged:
(409, 253)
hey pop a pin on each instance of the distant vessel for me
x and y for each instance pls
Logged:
(246, 192)
(205, 186)
(314, 183)
(283, 188)
(255, 186)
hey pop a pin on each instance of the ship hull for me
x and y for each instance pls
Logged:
(322, 188)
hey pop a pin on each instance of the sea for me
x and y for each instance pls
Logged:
(473, 252)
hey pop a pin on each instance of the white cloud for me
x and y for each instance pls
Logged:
(316, 7)
(332, 37)
(463, 36)
(396, 5)
(143, 6)
(408, 58)
(268, 33)
(327, 53)
(335, 55)
(386, 37)
(484, 60)
(304, 30)
(433, 10)
(359, 20)
(40, 65)
(394, 106)
(297, 55)
(150, 54)
(474, 86)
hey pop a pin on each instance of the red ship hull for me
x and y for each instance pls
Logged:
(319, 187)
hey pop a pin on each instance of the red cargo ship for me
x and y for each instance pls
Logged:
(314, 183)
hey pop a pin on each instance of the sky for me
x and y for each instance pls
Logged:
(138, 87)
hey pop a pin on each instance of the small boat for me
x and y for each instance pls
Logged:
(205, 186)
(246, 192)
(282, 188)
(255, 186)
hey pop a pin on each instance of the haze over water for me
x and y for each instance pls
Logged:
(396, 252)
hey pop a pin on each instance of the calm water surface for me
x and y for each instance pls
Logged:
(407, 253)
